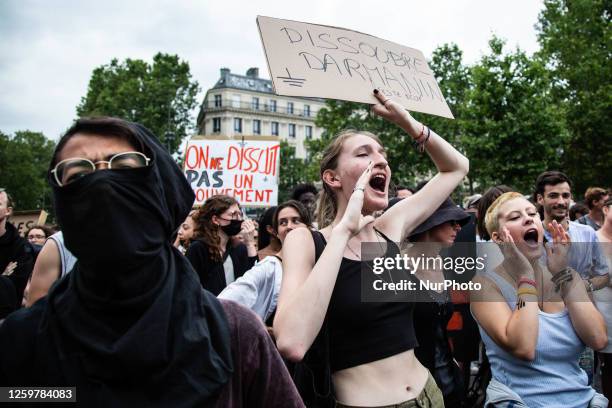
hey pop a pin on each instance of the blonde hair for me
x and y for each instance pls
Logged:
(328, 206)
(492, 216)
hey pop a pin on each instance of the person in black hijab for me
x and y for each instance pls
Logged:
(131, 324)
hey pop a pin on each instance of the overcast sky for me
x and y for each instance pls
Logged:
(48, 49)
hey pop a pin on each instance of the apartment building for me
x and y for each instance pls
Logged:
(246, 105)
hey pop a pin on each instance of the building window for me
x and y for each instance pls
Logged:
(272, 105)
(292, 130)
(235, 101)
(255, 103)
(217, 101)
(256, 126)
(306, 110)
(238, 125)
(308, 130)
(216, 125)
(290, 107)
(274, 128)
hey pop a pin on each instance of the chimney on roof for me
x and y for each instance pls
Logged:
(225, 72)
(253, 72)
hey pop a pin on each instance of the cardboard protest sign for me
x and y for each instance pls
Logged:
(245, 169)
(330, 62)
(23, 220)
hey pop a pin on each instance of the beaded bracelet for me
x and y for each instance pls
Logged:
(527, 281)
(419, 143)
(561, 278)
(527, 291)
(422, 144)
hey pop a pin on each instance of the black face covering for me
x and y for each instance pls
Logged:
(131, 323)
(233, 228)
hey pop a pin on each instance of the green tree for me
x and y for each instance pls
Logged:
(25, 159)
(293, 171)
(506, 121)
(513, 129)
(576, 40)
(407, 165)
(160, 95)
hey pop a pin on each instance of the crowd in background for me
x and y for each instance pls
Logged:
(518, 346)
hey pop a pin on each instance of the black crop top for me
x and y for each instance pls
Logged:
(362, 332)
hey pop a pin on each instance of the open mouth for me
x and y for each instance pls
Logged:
(531, 237)
(378, 182)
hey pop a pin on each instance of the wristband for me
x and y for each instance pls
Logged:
(527, 291)
(420, 142)
(561, 278)
(527, 281)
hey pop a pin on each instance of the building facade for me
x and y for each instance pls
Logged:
(246, 105)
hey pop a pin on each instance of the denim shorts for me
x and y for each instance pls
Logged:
(429, 397)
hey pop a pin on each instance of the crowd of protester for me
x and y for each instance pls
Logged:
(164, 304)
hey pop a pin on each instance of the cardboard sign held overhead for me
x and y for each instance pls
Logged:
(244, 169)
(330, 62)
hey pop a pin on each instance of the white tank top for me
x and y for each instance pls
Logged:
(66, 258)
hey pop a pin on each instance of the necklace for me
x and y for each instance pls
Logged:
(358, 255)
(354, 253)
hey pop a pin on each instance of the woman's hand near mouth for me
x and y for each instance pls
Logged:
(516, 263)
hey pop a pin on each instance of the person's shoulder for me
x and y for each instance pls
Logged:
(582, 229)
(242, 320)
(305, 234)
(269, 261)
(197, 245)
(59, 235)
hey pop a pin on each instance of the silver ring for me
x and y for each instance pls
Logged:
(385, 101)
(359, 189)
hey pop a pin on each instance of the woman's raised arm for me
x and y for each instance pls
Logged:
(452, 167)
(307, 287)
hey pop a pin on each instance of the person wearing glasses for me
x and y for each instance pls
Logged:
(218, 262)
(131, 325)
(38, 234)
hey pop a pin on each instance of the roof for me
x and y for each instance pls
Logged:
(244, 82)
(250, 83)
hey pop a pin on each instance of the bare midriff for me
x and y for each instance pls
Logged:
(391, 380)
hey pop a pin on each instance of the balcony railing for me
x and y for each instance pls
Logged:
(260, 107)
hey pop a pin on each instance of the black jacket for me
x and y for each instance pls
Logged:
(14, 248)
(211, 273)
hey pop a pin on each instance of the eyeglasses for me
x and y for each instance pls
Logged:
(36, 236)
(235, 216)
(70, 170)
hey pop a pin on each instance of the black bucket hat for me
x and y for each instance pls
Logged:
(448, 211)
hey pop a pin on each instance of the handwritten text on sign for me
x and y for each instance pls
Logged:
(247, 171)
(329, 62)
